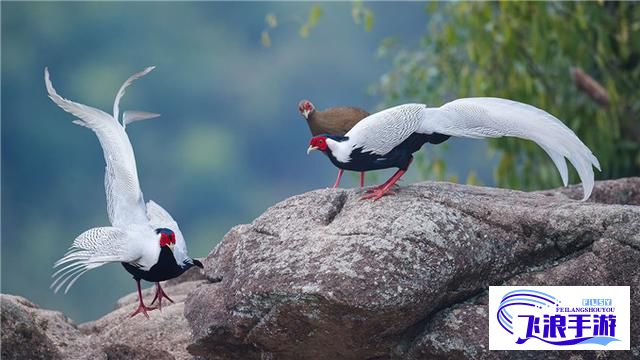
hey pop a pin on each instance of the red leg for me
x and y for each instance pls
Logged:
(159, 295)
(340, 171)
(141, 307)
(362, 179)
(379, 191)
(376, 188)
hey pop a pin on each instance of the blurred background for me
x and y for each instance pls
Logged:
(230, 142)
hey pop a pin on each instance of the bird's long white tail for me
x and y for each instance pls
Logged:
(495, 117)
(93, 248)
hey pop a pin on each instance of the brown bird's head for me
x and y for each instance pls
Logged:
(306, 108)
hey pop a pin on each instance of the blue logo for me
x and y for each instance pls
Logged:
(546, 319)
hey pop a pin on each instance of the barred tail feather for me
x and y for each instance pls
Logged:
(495, 117)
(93, 248)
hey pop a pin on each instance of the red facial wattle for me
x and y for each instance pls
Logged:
(319, 143)
(167, 240)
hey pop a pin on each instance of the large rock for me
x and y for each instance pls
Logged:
(29, 332)
(324, 275)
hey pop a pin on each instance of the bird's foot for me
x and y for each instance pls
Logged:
(142, 309)
(159, 295)
(377, 193)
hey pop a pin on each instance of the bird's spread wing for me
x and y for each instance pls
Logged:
(125, 203)
(160, 218)
(93, 248)
(379, 133)
(495, 117)
(123, 88)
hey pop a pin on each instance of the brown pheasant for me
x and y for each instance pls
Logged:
(333, 121)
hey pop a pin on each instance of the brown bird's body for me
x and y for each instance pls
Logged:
(333, 121)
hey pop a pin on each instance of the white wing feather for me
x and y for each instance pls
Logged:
(379, 133)
(123, 88)
(160, 218)
(125, 203)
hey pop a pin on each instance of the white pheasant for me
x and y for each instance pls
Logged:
(389, 138)
(144, 238)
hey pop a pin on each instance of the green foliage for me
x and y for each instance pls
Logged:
(272, 22)
(362, 15)
(315, 13)
(524, 51)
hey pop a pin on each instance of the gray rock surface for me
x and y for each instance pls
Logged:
(24, 336)
(625, 191)
(166, 333)
(324, 275)
(29, 332)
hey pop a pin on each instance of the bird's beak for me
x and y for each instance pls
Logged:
(311, 148)
(305, 113)
(171, 246)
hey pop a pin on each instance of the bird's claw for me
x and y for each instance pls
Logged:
(377, 193)
(142, 309)
(159, 295)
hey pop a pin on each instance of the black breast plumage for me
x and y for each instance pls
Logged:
(166, 268)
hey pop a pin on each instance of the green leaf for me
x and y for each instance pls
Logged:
(314, 15)
(368, 20)
(356, 12)
(271, 20)
(266, 39)
(304, 31)
(472, 178)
